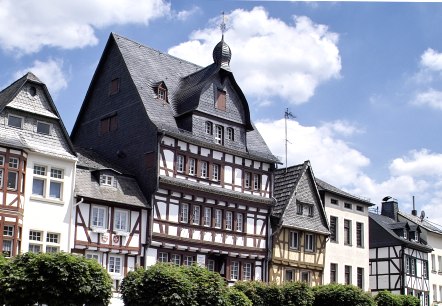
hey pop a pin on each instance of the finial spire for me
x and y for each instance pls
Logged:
(223, 26)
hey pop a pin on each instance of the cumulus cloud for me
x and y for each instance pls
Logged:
(186, 14)
(270, 58)
(68, 24)
(49, 72)
(418, 163)
(432, 60)
(430, 97)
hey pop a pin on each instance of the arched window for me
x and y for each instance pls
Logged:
(209, 128)
(219, 134)
(230, 134)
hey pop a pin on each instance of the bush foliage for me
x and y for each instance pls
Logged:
(386, 298)
(54, 279)
(342, 295)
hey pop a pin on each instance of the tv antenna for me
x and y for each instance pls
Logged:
(287, 115)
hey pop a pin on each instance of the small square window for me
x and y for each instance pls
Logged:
(56, 173)
(106, 180)
(35, 236)
(15, 121)
(43, 128)
(51, 249)
(334, 201)
(347, 205)
(13, 162)
(53, 237)
(8, 230)
(360, 208)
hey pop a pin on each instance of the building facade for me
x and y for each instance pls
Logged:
(398, 254)
(299, 227)
(186, 135)
(37, 169)
(347, 248)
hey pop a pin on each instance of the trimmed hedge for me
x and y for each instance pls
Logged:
(386, 298)
(342, 295)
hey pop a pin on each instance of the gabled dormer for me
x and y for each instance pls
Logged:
(161, 93)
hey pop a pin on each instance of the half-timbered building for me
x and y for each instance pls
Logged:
(37, 165)
(110, 216)
(347, 247)
(398, 254)
(299, 227)
(186, 134)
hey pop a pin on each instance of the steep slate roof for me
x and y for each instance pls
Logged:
(422, 223)
(322, 185)
(184, 80)
(294, 185)
(9, 97)
(87, 184)
(384, 235)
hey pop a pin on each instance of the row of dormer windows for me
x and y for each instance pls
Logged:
(17, 122)
(204, 169)
(217, 131)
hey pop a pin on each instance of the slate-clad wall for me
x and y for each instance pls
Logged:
(135, 135)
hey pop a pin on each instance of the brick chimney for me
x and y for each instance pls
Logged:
(390, 207)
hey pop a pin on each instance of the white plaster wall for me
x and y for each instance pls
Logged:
(151, 257)
(49, 215)
(169, 157)
(344, 254)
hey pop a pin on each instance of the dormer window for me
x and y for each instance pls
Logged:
(405, 234)
(220, 102)
(107, 180)
(162, 93)
(209, 128)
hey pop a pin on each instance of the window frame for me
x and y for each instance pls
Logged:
(204, 171)
(114, 86)
(292, 240)
(229, 220)
(207, 217)
(309, 242)
(219, 134)
(180, 163)
(234, 270)
(208, 128)
(104, 180)
(119, 216)
(247, 271)
(216, 172)
(347, 275)
(184, 213)
(48, 125)
(360, 277)
(16, 117)
(333, 272)
(218, 218)
(239, 222)
(192, 166)
(360, 234)
(230, 134)
(95, 222)
(196, 214)
(114, 268)
(334, 224)
(347, 232)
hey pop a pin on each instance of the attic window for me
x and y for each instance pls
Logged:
(114, 86)
(107, 180)
(220, 102)
(162, 92)
(32, 91)
(43, 128)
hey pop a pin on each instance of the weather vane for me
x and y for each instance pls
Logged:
(287, 115)
(223, 26)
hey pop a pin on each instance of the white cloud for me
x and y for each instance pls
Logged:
(418, 163)
(186, 14)
(68, 24)
(432, 60)
(270, 57)
(431, 98)
(49, 72)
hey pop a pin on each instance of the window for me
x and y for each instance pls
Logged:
(13, 175)
(334, 201)
(247, 271)
(333, 273)
(239, 222)
(440, 292)
(163, 257)
(32, 91)
(220, 100)
(180, 163)
(162, 92)
(196, 214)
(175, 259)
(434, 292)
(347, 275)
(7, 248)
(114, 86)
(209, 128)
(215, 174)
(218, 218)
(192, 166)
(439, 260)
(229, 220)
(40, 179)
(107, 180)
(359, 234)
(360, 276)
(114, 264)
(35, 235)
(333, 229)
(211, 265)
(43, 128)
(204, 168)
(413, 266)
(405, 233)
(219, 134)
(184, 215)
(53, 237)
(98, 217)
(299, 209)
(1, 178)
(305, 277)
(360, 208)
(407, 264)
(310, 209)
(94, 256)
(294, 238)
(309, 242)
(256, 181)
(347, 232)
(433, 263)
(247, 180)
(347, 205)
(8, 230)
(108, 124)
(34, 248)
(234, 270)
(15, 121)
(207, 221)
(189, 260)
(121, 220)
(230, 134)
(289, 275)
(51, 249)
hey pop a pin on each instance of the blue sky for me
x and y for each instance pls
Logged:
(362, 78)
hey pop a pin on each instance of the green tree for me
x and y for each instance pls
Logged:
(342, 295)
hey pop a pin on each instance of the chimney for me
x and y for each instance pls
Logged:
(414, 211)
(390, 207)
